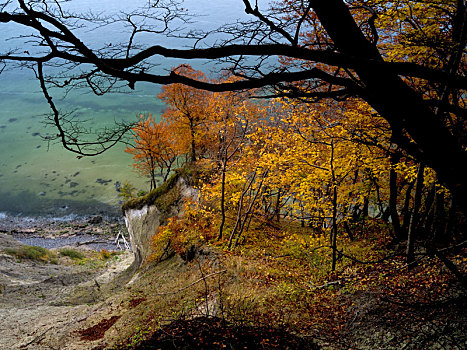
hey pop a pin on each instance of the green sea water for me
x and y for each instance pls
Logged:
(38, 177)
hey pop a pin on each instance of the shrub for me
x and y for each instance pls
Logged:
(105, 254)
(72, 253)
(127, 191)
(33, 253)
(183, 235)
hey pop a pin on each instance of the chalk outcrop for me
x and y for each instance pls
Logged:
(144, 215)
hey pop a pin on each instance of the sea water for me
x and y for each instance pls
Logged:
(39, 177)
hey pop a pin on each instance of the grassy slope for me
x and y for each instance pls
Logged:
(281, 278)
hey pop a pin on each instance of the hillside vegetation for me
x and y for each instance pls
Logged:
(278, 285)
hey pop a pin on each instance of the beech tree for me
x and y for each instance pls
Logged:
(405, 58)
(187, 112)
(153, 150)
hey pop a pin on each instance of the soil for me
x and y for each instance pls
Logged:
(98, 331)
(42, 305)
(382, 322)
(69, 306)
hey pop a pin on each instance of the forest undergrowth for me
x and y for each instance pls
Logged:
(277, 288)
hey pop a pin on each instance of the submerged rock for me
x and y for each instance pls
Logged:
(102, 181)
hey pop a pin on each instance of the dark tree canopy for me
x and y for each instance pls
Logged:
(405, 58)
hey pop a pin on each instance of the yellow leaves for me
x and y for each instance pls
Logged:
(415, 31)
(306, 242)
(310, 150)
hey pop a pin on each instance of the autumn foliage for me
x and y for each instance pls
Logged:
(186, 113)
(329, 165)
(325, 181)
(154, 149)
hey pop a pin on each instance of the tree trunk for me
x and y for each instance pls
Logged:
(193, 145)
(348, 230)
(334, 211)
(414, 218)
(364, 212)
(448, 232)
(378, 197)
(406, 214)
(429, 212)
(240, 209)
(439, 218)
(152, 173)
(277, 209)
(334, 228)
(250, 208)
(221, 226)
(402, 106)
(393, 202)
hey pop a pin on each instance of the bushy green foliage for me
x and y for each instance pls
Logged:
(127, 191)
(33, 253)
(151, 197)
(72, 253)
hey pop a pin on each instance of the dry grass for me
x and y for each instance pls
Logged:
(269, 280)
(33, 253)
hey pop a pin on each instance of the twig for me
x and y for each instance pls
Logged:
(206, 288)
(387, 257)
(405, 265)
(453, 246)
(277, 256)
(453, 268)
(191, 284)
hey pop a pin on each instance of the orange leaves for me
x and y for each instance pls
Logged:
(149, 136)
(202, 120)
(186, 112)
(182, 234)
(154, 148)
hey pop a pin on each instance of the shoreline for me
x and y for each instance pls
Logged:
(96, 232)
(41, 224)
